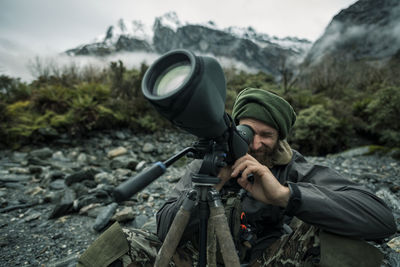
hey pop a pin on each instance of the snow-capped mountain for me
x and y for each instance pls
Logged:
(255, 50)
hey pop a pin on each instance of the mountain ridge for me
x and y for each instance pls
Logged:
(366, 30)
(255, 50)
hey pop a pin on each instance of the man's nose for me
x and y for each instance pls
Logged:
(256, 144)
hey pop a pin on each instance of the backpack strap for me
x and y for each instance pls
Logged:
(107, 248)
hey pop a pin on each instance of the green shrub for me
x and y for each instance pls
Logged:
(98, 92)
(12, 89)
(383, 115)
(20, 123)
(55, 98)
(317, 131)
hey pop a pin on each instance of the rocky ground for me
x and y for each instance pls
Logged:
(55, 198)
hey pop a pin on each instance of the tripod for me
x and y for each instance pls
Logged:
(208, 200)
(211, 211)
(211, 214)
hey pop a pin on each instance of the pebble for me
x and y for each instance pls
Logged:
(395, 244)
(126, 214)
(148, 148)
(119, 151)
(105, 178)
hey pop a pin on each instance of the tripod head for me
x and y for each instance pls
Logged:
(215, 153)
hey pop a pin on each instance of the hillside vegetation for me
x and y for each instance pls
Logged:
(337, 106)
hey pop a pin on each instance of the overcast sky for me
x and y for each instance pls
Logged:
(52, 26)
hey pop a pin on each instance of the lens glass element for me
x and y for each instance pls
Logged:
(173, 77)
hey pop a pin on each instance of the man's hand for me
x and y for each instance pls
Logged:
(266, 187)
(225, 175)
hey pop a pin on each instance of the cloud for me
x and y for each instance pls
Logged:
(371, 37)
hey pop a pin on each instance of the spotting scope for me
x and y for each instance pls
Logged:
(190, 91)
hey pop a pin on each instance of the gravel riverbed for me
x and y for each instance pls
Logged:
(56, 198)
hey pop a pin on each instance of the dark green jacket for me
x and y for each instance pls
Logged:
(320, 196)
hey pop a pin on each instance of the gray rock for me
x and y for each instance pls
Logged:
(390, 199)
(59, 155)
(123, 162)
(120, 135)
(65, 204)
(42, 153)
(33, 216)
(105, 178)
(54, 175)
(140, 221)
(19, 170)
(35, 169)
(85, 201)
(104, 217)
(57, 184)
(13, 185)
(148, 148)
(94, 212)
(82, 158)
(37, 161)
(80, 176)
(14, 178)
(140, 165)
(126, 214)
(393, 258)
(19, 156)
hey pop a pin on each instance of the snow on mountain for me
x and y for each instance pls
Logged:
(264, 40)
(170, 20)
(246, 45)
(133, 29)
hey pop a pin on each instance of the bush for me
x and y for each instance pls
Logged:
(383, 116)
(317, 131)
(20, 122)
(12, 90)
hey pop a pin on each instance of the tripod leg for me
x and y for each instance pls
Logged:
(211, 244)
(224, 237)
(176, 230)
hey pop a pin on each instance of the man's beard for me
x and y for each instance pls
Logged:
(264, 154)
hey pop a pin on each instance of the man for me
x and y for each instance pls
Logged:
(330, 208)
(286, 185)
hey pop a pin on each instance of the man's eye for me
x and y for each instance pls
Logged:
(266, 135)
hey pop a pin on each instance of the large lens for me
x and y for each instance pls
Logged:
(172, 78)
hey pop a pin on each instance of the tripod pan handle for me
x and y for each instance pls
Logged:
(130, 187)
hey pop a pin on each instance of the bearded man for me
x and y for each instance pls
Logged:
(286, 185)
(333, 215)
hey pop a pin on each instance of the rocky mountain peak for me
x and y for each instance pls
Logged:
(169, 20)
(366, 30)
(246, 46)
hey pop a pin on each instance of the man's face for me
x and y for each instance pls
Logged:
(265, 141)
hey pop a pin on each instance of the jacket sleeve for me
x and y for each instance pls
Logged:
(166, 214)
(335, 204)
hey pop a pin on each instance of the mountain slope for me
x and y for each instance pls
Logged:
(256, 51)
(367, 30)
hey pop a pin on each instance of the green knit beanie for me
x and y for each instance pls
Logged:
(266, 107)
